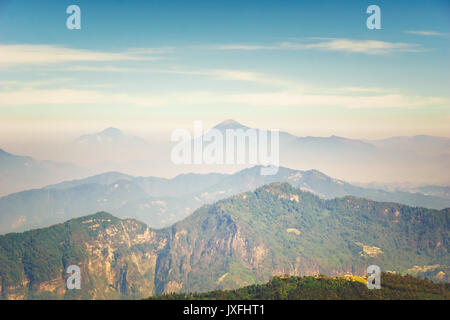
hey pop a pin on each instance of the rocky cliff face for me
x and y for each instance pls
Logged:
(117, 259)
(242, 240)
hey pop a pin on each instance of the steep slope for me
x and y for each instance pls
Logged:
(117, 259)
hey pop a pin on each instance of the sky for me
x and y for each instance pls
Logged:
(311, 68)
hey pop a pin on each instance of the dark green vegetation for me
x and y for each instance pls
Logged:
(394, 287)
(162, 202)
(281, 230)
(239, 241)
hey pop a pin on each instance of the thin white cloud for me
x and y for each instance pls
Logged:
(151, 51)
(73, 96)
(365, 89)
(195, 98)
(253, 77)
(84, 68)
(371, 47)
(427, 33)
(345, 101)
(243, 47)
(10, 83)
(34, 83)
(221, 74)
(12, 55)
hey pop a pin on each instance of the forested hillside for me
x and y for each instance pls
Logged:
(394, 287)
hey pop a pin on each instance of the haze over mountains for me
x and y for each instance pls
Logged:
(160, 202)
(418, 160)
(423, 144)
(22, 172)
(423, 159)
(245, 239)
(110, 136)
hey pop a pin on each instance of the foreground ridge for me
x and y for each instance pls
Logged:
(348, 287)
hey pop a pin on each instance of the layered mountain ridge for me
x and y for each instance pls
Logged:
(160, 202)
(417, 159)
(245, 239)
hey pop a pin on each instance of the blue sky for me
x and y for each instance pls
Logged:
(309, 67)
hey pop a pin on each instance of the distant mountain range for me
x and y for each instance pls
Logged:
(96, 152)
(110, 136)
(427, 145)
(420, 160)
(428, 190)
(245, 239)
(21, 172)
(160, 202)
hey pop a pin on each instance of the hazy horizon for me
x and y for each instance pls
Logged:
(310, 69)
